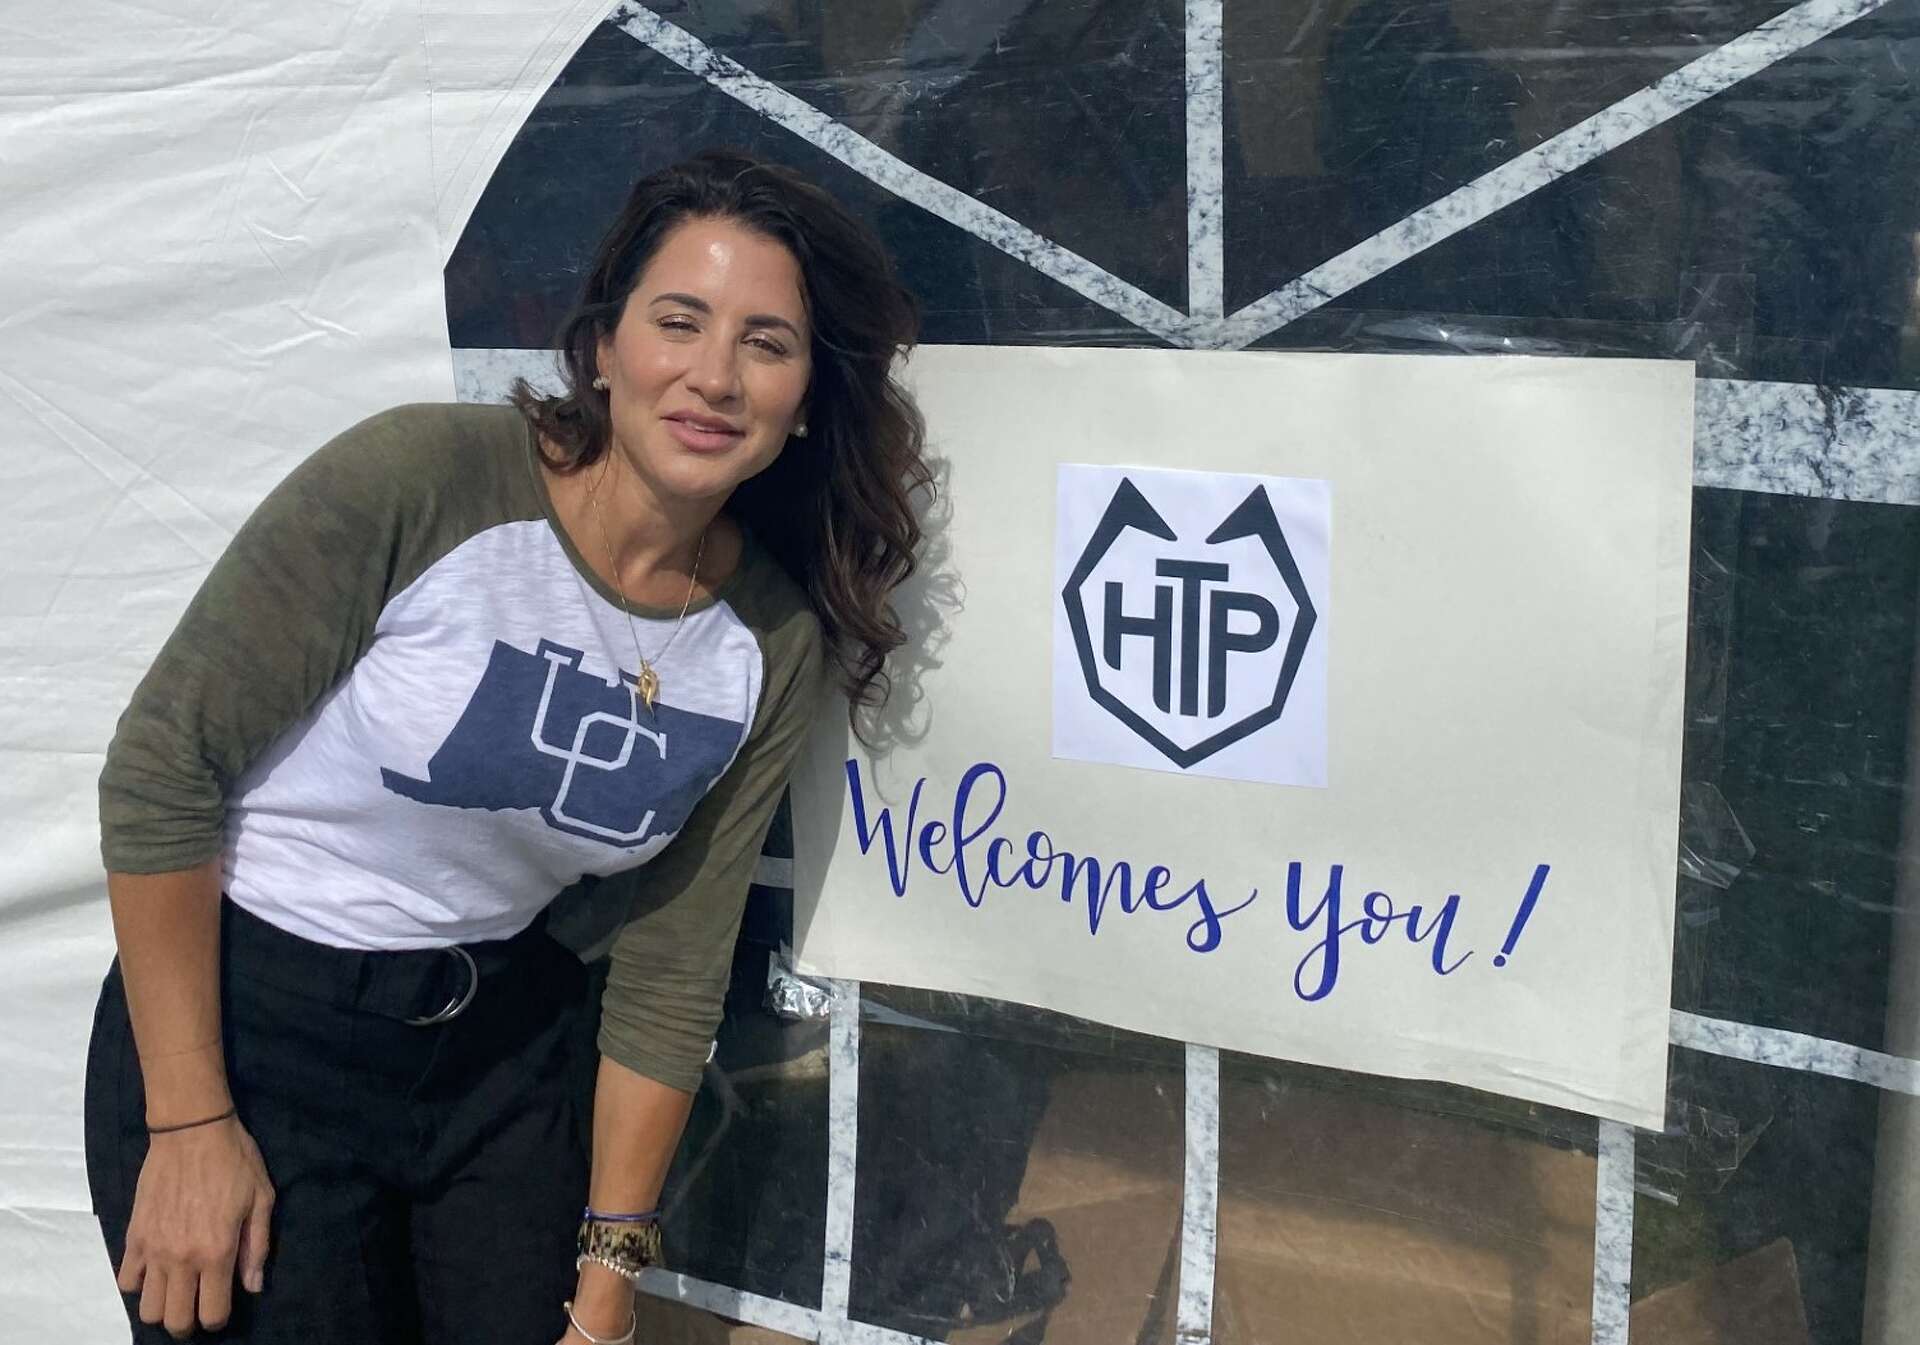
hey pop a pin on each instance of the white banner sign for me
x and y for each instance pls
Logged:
(1170, 752)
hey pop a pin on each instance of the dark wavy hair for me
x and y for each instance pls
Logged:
(836, 509)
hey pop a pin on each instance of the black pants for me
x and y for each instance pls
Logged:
(428, 1179)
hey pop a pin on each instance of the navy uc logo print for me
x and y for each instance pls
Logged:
(540, 734)
(1190, 602)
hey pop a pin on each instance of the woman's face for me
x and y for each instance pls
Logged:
(709, 364)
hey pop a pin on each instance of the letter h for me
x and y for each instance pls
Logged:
(1158, 628)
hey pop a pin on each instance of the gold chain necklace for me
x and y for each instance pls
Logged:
(647, 685)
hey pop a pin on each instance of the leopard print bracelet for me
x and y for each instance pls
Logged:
(625, 1248)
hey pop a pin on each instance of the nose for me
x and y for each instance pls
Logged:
(715, 371)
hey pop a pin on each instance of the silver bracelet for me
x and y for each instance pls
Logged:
(592, 1339)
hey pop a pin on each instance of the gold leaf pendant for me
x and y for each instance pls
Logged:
(647, 684)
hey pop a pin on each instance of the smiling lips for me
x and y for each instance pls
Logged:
(703, 434)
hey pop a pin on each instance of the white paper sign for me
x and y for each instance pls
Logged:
(1451, 852)
(1191, 631)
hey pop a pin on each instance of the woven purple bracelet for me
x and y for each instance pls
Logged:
(645, 1217)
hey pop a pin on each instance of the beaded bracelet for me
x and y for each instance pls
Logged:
(626, 1248)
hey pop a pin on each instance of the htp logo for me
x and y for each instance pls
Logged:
(1190, 626)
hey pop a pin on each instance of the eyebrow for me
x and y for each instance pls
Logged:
(700, 305)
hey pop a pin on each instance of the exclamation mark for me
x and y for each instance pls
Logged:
(1520, 916)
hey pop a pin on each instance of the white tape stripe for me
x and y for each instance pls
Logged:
(1797, 439)
(1783, 438)
(486, 374)
(1206, 159)
(897, 176)
(1573, 148)
(1796, 1051)
(1613, 1234)
(843, 1132)
(771, 1313)
(1200, 1211)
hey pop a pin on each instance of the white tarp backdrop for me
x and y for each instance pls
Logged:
(1482, 892)
(221, 236)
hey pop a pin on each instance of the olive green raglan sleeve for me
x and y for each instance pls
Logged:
(670, 962)
(280, 618)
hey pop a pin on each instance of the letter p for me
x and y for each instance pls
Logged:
(1222, 639)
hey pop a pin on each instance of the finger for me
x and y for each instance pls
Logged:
(253, 1243)
(153, 1296)
(133, 1269)
(216, 1295)
(182, 1298)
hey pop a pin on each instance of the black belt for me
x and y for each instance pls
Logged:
(420, 986)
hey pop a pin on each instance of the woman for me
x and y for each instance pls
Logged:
(462, 659)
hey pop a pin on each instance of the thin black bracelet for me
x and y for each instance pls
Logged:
(189, 1125)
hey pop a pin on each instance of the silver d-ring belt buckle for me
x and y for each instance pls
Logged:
(458, 1004)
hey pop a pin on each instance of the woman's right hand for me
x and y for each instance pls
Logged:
(201, 1211)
